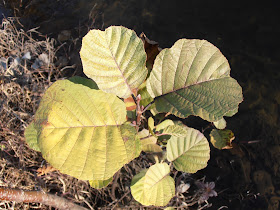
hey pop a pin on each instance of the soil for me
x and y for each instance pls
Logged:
(246, 32)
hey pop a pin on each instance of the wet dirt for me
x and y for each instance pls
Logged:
(246, 32)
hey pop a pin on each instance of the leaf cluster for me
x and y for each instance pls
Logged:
(90, 128)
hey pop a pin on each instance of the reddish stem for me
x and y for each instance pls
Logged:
(37, 197)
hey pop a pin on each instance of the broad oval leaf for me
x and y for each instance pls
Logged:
(115, 59)
(30, 135)
(146, 137)
(151, 148)
(231, 112)
(98, 184)
(221, 139)
(164, 124)
(220, 124)
(153, 187)
(152, 50)
(82, 132)
(189, 153)
(176, 130)
(148, 142)
(145, 133)
(193, 78)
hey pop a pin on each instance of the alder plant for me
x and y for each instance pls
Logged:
(90, 128)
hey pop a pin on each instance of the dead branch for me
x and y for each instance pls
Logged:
(37, 197)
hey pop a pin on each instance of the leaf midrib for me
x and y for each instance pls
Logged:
(118, 67)
(86, 126)
(186, 87)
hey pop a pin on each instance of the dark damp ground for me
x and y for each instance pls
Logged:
(247, 33)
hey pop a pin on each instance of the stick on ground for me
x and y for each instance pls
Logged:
(37, 197)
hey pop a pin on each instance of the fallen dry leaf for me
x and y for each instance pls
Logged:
(45, 169)
(152, 50)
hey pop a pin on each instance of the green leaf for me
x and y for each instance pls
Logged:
(177, 130)
(221, 139)
(98, 184)
(189, 153)
(82, 132)
(30, 135)
(164, 124)
(154, 110)
(232, 112)
(151, 148)
(84, 81)
(145, 96)
(220, 124)
(138, 176)
(131, 115)
(143, 133)
(193, 78)
(146, 137)
(153, 187)
(115, 59)
(151, 125)
(148, 142)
